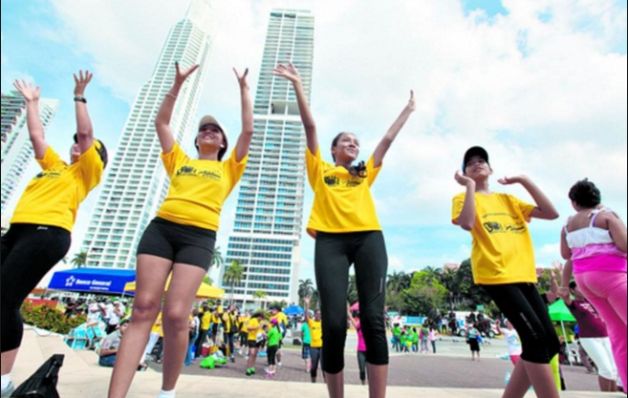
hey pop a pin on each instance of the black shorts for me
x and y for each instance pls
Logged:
(184, 244)
(253, 344)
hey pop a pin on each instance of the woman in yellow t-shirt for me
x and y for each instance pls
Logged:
(347, 231)
(41, 226)
(180, 240)
(502, 261)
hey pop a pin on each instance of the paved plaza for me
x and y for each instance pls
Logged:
(450, 374)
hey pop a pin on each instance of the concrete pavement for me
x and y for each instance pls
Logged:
(81, 377)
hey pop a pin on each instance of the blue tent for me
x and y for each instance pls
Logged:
(293, 310)
(92, 280)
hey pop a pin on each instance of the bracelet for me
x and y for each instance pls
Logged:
(80, 98)
(171, 95)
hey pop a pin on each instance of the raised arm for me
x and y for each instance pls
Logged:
(391, 134)
(244, 140)
(544, 208)
(84, 129)
(306, 304)
(162, 121)
(31, 95)
(290, 73)
(466, 219)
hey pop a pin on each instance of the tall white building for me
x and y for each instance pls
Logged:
(268, 224)
(136, 182)
(17, 150)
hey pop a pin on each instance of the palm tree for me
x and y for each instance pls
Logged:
(217, 259)
(259, 295)
(398, 282)
(80, 259)
(306, 287)
(207, 279)
(233, 275)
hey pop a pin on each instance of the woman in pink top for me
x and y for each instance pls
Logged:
(594, 239)
(354, 316)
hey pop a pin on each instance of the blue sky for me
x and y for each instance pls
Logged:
(542, 85)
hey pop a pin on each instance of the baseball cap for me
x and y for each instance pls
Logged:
(208, 119)
(474, 151)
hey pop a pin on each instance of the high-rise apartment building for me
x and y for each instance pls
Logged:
(17, 150)
(268, 223)
(136, 183)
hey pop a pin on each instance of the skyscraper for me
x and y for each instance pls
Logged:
(136, 183)
(268, 224)
(17, 150)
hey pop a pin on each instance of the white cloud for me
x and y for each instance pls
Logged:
(545, 96)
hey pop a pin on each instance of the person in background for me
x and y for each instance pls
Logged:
(353, 312)
(306, 338)
(316, 331)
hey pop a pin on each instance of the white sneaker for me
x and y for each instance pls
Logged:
(8, 390)
(279, 364)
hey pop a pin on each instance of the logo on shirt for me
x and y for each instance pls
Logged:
(493, 227)
(193, 172)
(48, 174)
(334, 181)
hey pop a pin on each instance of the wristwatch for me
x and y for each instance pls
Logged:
(80, 98)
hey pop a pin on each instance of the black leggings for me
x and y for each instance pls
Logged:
(333, 256)
(271, 354)
(29, 251)
(525, 309)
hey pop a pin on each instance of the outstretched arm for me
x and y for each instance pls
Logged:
(306, 304)
(31, 95)
(84, 129)
(466, 219)
(544, 208)
(391, 134)
(244, 140)
(162, 121)
(290, 73)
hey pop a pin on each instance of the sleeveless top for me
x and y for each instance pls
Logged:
(593, 249)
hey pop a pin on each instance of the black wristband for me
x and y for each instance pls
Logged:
(80, 98)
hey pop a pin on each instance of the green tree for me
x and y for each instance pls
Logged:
(79, 259)
(425, 295)
(207, 279)
(259, 295)
(217, 259)
(233, 275)
(306, 288)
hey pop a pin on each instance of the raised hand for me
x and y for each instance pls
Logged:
(287, 71)
(462, 179)
(411, 102)
(510, 180)
(181, 76)
(242, 78)
(29, 91)
(81, 81)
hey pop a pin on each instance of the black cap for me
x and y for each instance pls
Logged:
(474, 151)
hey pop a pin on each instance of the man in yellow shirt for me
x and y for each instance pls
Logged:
(41, 226)
(206, 319)
(502, 262)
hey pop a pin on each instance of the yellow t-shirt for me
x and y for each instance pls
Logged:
(227, 321)
(198, 188)
(54, 195)
(502, 247)
(316, 332)
(342, 202)
(281, 318)
(243, 323)
(252, 327)
(206, 320)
